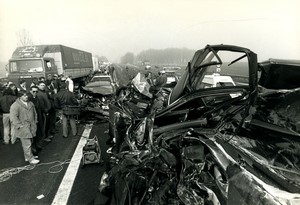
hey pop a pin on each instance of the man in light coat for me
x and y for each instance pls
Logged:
(24, 118)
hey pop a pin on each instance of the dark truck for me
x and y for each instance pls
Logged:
(41, 60)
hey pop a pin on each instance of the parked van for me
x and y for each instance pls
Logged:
(216, 80)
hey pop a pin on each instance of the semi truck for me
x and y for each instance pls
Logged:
(36, 61)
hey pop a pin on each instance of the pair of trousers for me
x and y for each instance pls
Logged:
(8, 129)
(26, 145)
(38, 140)
(52, 121)
(72, 120)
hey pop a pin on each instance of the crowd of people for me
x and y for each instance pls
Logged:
(29, 113)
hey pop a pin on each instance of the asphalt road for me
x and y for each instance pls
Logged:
(23, 184)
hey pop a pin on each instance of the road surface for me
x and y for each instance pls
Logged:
(60, 178)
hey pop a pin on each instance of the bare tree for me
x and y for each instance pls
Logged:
(24, 38)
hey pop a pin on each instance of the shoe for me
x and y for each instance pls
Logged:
(50, 136)
(65, 136)
(5, 143)
(16, 141)
(35, 157)
(47, 140)
(34, 161)
(109, 150)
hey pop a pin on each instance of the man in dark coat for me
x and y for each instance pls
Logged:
(45, 106)
(161, 79)
(37, 142)
(6, 101)
(63, 99)
(51, 124)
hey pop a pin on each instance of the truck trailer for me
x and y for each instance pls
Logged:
(43, 60)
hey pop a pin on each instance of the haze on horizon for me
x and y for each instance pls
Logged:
(111, 28)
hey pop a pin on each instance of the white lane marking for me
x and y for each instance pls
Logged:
(66, 185)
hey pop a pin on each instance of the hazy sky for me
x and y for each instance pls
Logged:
(271, 28)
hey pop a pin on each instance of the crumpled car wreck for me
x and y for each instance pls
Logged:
(97, 94)
(209, 145)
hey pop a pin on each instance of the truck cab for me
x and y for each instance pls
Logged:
(29, 63)
(32, 65)
(29, 68)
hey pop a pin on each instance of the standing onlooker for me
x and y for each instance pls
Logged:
(49, 77)
(62, 99)
(42, 79)
(160, 80)
(45, 106)
(14, 89)
(35, 81)
(70, 83)
(22, 85)
(55, 83)
(149, 79)
(37, 142)
(60, 77)
(6, 101)
(24, 118)
(51, 123)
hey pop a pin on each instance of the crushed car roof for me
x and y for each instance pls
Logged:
(280, 74)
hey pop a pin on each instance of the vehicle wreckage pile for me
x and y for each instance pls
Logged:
(218, 145)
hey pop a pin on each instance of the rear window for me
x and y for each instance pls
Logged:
(100, 78)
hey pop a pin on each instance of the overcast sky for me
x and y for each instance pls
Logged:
(110, 28)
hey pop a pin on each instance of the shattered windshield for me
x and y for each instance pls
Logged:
(26, 66)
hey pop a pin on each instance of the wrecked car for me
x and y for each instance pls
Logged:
(234, 144)
(97, 94)
(190, 101)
